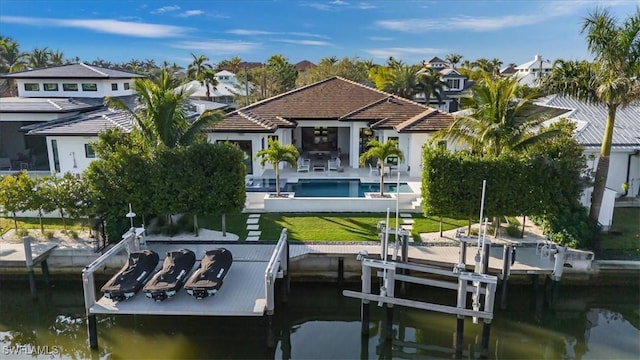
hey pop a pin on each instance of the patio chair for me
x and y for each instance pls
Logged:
(373, 170)
(303, 165)
(333, 164)
(5, 164)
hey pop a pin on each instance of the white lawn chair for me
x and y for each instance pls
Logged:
(333, 164)
(373, 170)
(304, 165)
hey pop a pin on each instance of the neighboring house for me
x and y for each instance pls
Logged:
(52, 94)
(335, 115)
(624, 165)
(228, 91)
(458, 86)
(303, 66)
(529, 73)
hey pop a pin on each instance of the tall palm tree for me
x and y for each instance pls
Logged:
(431, 84)
(500, 119)
(208, 79)
(39, 58)
(381, 151)
(161, 114)
(56, 58)
(11, 60)
(276, 153)
(454, 59)
(199, 65)
(232, 65)
(612, 79)
(402, 81)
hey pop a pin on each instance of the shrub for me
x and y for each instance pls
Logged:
(22, 232)
(72, 234)
(513, 230)
(49, 234)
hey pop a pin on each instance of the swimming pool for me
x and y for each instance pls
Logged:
(339, 188)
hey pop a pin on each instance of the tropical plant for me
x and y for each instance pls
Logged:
(276, 153)
(380, 152)
(402, 81)
(430, 83)
(14, 193)
(453, 59)
(233, 65)
(499, 120)
(11, 58)
(612, 79)
(198, 66)
(161, 114)
(56, 58)
(38, 58)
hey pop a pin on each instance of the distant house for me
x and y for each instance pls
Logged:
(335, 115)
(624, 165)
(227, 93)
(303, 66)
(531, 72)
(457, 86)
(50, 96)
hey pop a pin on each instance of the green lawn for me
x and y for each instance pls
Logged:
(623, 240)
(34, 223)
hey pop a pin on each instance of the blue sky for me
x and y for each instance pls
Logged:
(513, 31)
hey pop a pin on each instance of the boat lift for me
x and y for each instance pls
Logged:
(481, 286)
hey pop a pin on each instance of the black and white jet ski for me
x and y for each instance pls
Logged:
(207, 280)
(168, 280)
(131, 278)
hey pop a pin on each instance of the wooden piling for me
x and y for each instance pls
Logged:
(506, 268)
(92, 327)
(340, 271)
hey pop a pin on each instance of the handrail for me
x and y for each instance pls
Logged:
(276, 262)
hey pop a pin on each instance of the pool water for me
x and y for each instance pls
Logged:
(340, 188)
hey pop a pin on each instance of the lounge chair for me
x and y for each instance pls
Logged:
(373, 170)
(303, 165)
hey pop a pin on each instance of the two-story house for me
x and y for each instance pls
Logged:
(457, 85)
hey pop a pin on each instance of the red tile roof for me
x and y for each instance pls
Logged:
(335, 98)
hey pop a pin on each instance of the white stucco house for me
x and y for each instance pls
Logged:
(624, 165)
(332, 116)
(531, 72)
(50, 96)
(457, 86)
(228, 92)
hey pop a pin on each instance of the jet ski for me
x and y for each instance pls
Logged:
(168, 280)
(130, 279)
(207, 280)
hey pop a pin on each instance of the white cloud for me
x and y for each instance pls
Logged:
(304, 42)
(402, 52)
(365, 6)
(218, 46)
(189, 13)
(338, 5)
(249, 32)
(380, 38)
(108, 26)
(165, 9)
(460, 23)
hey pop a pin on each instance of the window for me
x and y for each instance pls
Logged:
(89, 87)
(56, 157)
(70, 87)
(88, 151)
(453, 83)
(114, 86)
(126, 86)
(31, 87)
(50, 87)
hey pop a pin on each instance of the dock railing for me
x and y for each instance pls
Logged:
(130, 241)
(278, 267)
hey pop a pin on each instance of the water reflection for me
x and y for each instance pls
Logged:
(318, 322)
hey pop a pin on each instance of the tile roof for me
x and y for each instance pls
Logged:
(85, 124)
(73, 71)
(47, 105)
(335, 98)
(591, 121)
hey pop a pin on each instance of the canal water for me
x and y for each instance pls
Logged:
(319, 323)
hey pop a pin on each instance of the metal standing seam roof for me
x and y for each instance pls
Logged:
(85, 124)
(47, 105)
(627, 125)
(73, 71)
(331, 99)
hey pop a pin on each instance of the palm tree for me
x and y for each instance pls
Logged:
(56, 58)
(402, 81)
(610, 80)
(11, 60)
(232, 65)
(161, 114)
(380, 152)
(431, 84)
(208, 79)
(199, 65)
(454, 59)
(39, 58)
(276, 153)
(500, 120)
